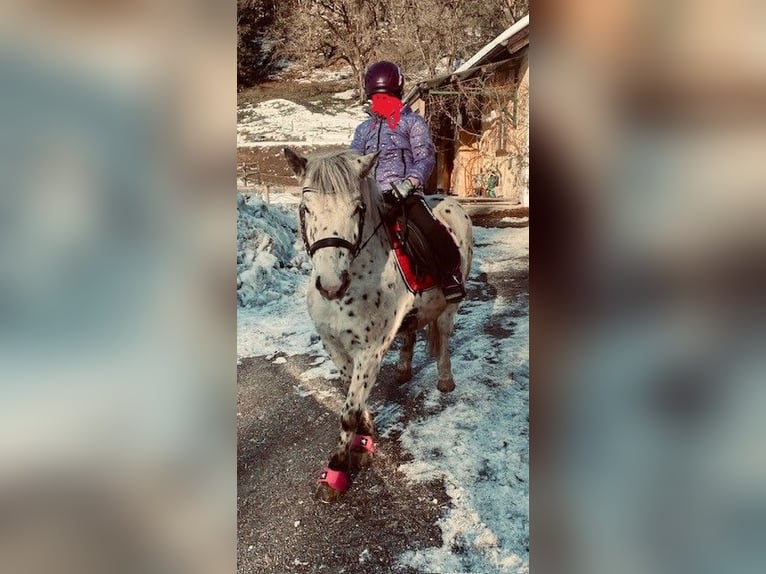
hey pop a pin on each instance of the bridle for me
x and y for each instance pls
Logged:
(312, 248)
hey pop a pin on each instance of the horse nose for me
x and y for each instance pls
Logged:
(334, 290)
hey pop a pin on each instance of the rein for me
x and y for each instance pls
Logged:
(374, 231)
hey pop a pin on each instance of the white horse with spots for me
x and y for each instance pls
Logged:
(358, 299)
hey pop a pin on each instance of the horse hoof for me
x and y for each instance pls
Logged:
(404, 376)
(446, 385)
(327, 493)
(332, 483)
(361, 459)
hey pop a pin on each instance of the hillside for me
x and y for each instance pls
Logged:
(310, 111)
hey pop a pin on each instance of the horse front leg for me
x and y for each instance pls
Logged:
(341, 359)
(355, 421)
(363, 444)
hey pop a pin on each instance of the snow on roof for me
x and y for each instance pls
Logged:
(501, 40)
(471, 64)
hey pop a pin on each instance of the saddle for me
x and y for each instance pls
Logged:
(412, 248)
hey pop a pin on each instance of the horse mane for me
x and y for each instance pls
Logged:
(334, 172)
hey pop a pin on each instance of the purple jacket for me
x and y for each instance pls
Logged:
(404, 152)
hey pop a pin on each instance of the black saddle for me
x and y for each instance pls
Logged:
(411, 236)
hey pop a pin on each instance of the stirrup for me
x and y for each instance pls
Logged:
(453, 289)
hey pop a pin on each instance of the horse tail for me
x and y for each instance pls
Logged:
(434, 339)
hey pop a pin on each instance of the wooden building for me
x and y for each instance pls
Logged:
(479, 119)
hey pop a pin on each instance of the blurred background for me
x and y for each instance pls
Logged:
(117, 340)
(649, 135)
(117, 332)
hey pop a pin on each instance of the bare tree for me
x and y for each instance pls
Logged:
(254, 17)
(426, 37)
(436, 35)
(329, 31)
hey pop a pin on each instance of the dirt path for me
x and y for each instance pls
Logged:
(285, 435)
(284, 441)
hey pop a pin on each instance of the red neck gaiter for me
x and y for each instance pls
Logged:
(387, 107)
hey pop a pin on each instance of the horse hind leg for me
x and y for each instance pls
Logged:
(439, 332)
(404, 366)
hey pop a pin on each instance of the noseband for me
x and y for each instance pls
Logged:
(312, 248)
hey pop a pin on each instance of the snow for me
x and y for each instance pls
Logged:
(282, 122)
(475, 439)
(324, 75)
(269, 260)
(347, 95)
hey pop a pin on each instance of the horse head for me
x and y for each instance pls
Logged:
(332, 213)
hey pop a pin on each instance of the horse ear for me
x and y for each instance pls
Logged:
(365, 163)
(297, 162)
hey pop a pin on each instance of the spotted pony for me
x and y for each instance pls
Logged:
(357, 298)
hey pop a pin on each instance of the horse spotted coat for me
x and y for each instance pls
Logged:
(358, 300)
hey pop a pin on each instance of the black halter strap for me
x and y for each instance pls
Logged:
(331, 242)
(312, 248)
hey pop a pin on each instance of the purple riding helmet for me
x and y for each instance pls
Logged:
(384, 77)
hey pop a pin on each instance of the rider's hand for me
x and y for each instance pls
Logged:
(403, 188)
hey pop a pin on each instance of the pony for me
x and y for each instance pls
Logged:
(357, 297)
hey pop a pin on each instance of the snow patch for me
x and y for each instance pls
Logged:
(388, 419)
(323, 75)
(347, 95)
(325, 371)
(517, 220)
(476, 439)
(282, 122)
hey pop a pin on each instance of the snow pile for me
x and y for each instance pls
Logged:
(272, 274)
(269, 262)
(282, 122)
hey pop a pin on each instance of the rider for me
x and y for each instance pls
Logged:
(406, 159)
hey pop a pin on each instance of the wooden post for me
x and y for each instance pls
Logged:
(268, 193)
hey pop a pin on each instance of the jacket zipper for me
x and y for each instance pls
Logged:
(377, 149)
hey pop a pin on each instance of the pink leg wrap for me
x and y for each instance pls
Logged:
(335, 479)
(363, 442)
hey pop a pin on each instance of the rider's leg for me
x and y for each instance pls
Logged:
(442, 244)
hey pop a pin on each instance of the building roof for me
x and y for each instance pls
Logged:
(509, 42)
(519, 31)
